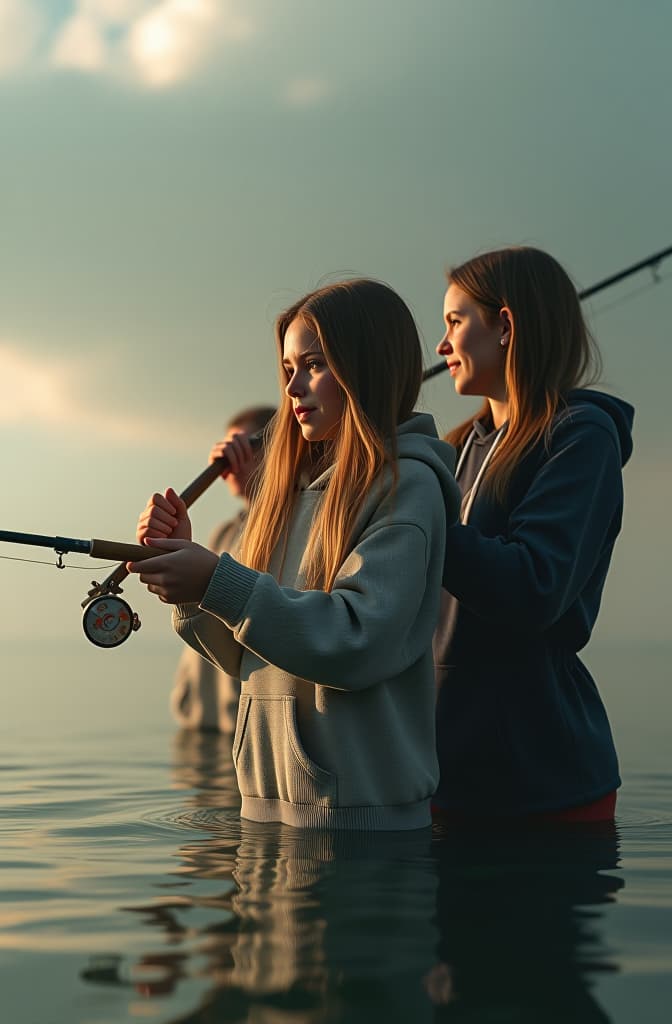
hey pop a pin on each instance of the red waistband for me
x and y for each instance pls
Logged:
(599, 810)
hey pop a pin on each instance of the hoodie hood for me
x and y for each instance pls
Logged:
(621, 414)
(417, 438)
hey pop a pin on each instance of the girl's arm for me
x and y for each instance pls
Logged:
(557, 534)
(377, 621)
(166, 516)
(207, 635)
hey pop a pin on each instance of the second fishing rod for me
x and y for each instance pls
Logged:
(198, 486)
(191, 493)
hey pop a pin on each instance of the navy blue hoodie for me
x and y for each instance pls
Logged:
(521, 727)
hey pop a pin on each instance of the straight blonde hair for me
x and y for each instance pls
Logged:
(550, 350)
(371, 345)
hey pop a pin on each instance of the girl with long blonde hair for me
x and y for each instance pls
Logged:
(522, 731)
(327, 617)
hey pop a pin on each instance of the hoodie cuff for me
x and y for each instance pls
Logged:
(184, 611)
(229, 590)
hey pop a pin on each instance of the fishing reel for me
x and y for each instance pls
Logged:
(108, 620)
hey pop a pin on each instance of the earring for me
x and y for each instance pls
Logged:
(503, 342)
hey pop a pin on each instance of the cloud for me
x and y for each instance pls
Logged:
(54, 394)
(153, 43)
(81, 45)
(306, 92)
(29, 391)
(20, 29)
(171, 39)
(112, 12)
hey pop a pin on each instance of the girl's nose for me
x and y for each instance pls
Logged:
(293, 388)
(444, 348)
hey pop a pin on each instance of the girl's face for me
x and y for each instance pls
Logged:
(474, 351)
(316, 396)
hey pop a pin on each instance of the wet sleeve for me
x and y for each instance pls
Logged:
(555, 539)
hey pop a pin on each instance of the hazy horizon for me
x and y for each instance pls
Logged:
(174, 173)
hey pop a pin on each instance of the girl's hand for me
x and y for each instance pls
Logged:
(165, 515)
(237, 449)
(180, 573)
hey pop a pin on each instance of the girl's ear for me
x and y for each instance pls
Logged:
(506, 321)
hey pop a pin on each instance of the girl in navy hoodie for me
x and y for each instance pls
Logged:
(522, 732)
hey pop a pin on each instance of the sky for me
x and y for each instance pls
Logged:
(174, 173)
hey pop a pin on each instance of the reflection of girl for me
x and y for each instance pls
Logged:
(521, 916)
(521, 727)
(328, 617)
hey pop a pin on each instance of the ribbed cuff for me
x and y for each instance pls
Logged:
(184, 611)
(229, 590)
(369, 818)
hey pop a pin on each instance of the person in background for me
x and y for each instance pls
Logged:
(328, 615)
(521, 730)
(204, 696)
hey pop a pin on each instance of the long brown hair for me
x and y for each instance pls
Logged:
(371, 345)
(550, 349)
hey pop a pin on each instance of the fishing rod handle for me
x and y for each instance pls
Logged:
(115, 549)
(189, 495)
(200, 485)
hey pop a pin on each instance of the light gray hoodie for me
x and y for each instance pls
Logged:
(336, 720)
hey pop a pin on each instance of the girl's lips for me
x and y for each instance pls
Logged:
(302, 412)
(453, 368)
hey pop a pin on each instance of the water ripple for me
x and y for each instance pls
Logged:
(222, 822)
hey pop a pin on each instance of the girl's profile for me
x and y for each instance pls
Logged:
(328, 616)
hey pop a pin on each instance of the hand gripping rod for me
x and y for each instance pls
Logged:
(192, 491)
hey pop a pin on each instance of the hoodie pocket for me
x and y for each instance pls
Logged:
(270, 760)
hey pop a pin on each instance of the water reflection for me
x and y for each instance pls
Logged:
(201, 761)
(521, 923)
(273, 925)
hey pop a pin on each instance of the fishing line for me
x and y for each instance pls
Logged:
(108, 620)
(39, 561)
(641, 290)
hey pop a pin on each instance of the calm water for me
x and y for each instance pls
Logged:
(131, 890)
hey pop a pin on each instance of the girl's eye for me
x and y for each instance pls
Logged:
(453, 323)
(314, 364)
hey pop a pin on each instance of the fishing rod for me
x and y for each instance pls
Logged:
(192, 491)
(111, 584)
(107, 623)
(651, 261)
(108, 620)
(109, 589)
